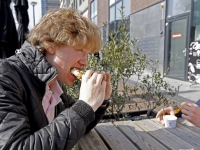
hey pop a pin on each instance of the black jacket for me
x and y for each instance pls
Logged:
(23, 123)
(8, 33)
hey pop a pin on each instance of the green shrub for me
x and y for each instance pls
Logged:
(123, 59)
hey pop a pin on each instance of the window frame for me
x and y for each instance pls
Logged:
(116, 9)
(93, 11)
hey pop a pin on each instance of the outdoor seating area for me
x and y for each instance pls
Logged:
(97, 74)
(143, 134)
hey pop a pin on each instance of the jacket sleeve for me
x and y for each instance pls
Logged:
(98, 116)
(15, 131)
(69, 101)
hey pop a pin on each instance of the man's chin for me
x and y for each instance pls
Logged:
(70, 83)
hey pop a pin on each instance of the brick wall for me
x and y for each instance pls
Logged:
(89, 1)
(102, 12)
(137, 5)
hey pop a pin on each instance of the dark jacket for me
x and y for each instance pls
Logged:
(8, 33)
(23, 123)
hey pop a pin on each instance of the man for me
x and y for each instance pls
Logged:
(34, 111)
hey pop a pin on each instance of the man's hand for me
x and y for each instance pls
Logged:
(93, 87)
(191, 112)
(108, 90)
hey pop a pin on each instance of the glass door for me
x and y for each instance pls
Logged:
(176, 48)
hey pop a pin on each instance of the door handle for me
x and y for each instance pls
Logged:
(184, 51)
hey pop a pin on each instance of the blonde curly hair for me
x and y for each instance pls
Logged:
(65, 27)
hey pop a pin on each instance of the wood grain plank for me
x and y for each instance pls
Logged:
(167, 138)
(189, 125)
(138, 136)
(184, 133)
(92, 141)
(113, 137)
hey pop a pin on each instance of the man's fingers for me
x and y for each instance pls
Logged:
(94, 77)
(104, 84)
(100, 79)
(108, 76)
(87, 74)
(104, 75)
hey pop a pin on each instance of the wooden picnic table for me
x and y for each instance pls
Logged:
(141, 135)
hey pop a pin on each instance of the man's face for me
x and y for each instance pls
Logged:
(64, 59)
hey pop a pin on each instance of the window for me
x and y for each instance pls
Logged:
(127, 8)
(178, 7)
(72, 4)
(112, 14)
(115, 5)
(195, 28)
(75, 5)
(94, 11)
(118, 7)
(68, 2)
(112, 2)
(115, 14)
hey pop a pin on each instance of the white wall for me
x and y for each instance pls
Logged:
(38, 12)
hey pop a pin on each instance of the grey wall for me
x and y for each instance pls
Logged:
(146, 26)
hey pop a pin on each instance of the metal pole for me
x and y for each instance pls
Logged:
(33, 4)
(34, 15)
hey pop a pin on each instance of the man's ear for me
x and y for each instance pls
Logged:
(50, 50)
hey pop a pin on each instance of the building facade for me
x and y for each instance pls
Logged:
(81, 5)
(50, 4)
(39, 9)
(167, 31)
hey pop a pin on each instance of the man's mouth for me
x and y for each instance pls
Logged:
(78, 73)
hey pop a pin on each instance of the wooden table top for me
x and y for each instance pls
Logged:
(143, 135)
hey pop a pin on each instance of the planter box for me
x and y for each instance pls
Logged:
(134, 115)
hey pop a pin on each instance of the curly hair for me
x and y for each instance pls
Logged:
(60, 27)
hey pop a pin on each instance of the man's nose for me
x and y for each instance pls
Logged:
(84, 61)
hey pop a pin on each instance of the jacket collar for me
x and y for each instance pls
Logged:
(36, 63)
